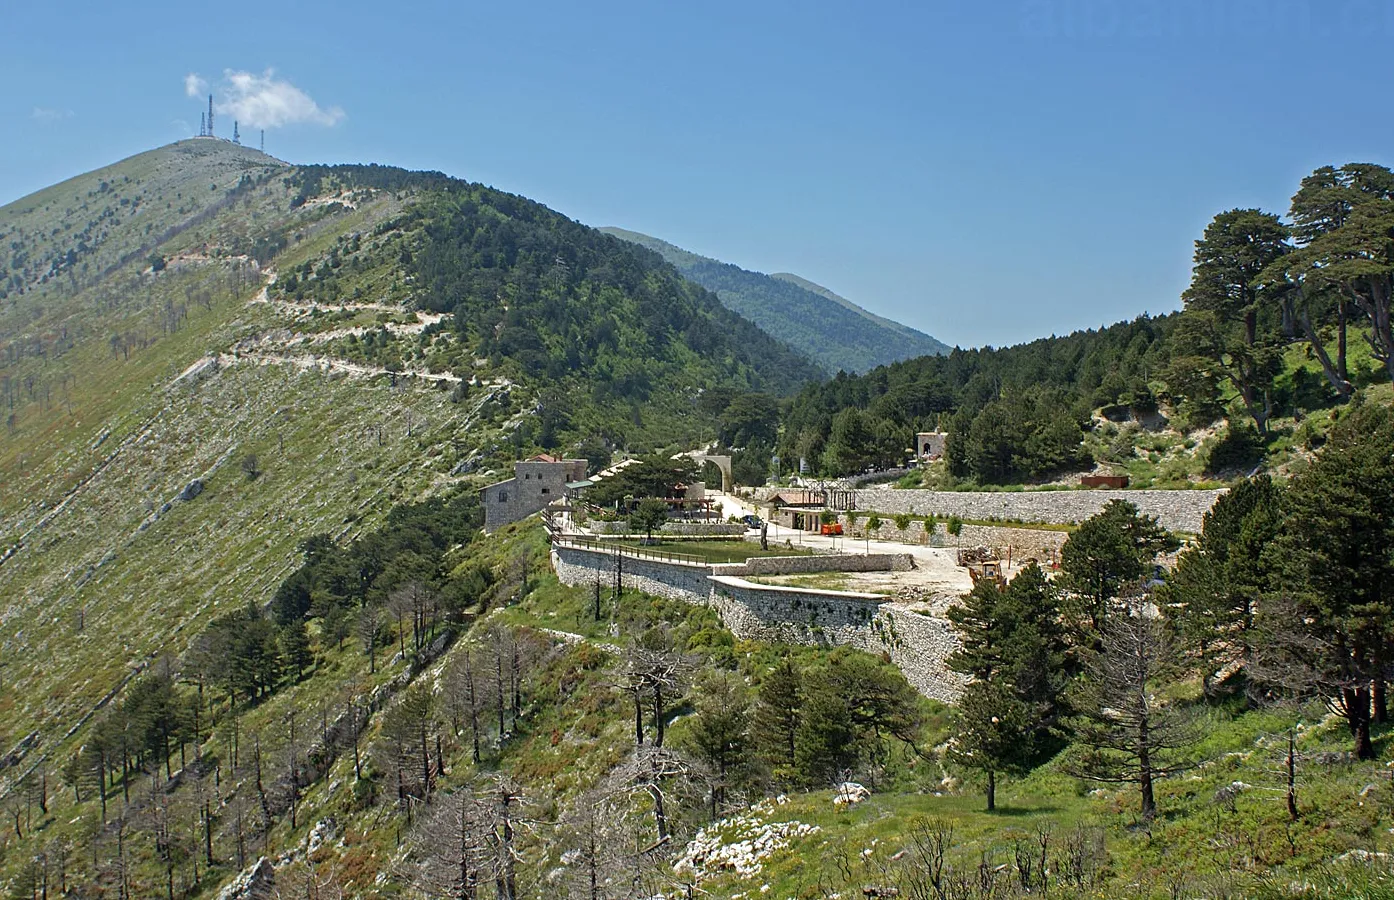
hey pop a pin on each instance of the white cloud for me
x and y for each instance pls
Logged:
(194, 86)
(48, 114)
(264, 101)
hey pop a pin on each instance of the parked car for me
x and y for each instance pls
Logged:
(752, 521)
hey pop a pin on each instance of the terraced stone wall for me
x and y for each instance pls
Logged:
(916, 643)
(1176, 510)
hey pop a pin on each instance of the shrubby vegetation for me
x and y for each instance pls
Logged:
(1260, 287)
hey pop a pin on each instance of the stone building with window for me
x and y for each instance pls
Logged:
(929, 445)
(536, 482)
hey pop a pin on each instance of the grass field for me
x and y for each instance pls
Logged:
(712, 551)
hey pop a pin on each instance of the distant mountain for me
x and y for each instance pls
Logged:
(833, 330)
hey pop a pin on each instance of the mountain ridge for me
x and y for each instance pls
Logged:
(834, 331)
(207, 356)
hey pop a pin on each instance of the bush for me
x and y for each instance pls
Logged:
(1240, 447)
(955, 525)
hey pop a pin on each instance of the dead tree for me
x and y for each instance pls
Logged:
(1129, 736)
(415, 600)
(370, 620)
(593, 832)
(653, 677)
(463, 698)
(671, 781)
(307, 880)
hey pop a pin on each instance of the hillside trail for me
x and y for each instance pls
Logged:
(270, 348)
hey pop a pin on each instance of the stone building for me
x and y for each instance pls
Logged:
(536, 482)
(930, 444)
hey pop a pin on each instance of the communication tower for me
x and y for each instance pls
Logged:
(236, 137)
(263, 140)
(202, 125)
(210, 115)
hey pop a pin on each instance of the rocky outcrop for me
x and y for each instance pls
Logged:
(256, 883)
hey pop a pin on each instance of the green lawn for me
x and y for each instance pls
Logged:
(714, 551)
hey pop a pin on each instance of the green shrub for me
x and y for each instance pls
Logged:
(1239, 447)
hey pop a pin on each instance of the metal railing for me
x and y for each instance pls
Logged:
(613, 547)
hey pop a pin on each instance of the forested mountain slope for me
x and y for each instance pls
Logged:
(207, 356)
(1046, 388)
(836, 332)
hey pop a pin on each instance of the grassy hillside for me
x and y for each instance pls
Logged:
(561, 753)
(837, 333)
(207, 356)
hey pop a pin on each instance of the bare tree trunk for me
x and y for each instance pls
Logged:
(1291, 765)
(474, 707)
(498, 684)
(658, 713)
(1144, 765)
(1341, 315)
(1335, 372)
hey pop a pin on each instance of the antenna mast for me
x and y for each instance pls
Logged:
(210, 115)
(236, 138)
(202, 125)
(263, 140)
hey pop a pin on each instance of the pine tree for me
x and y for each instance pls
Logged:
(1325, 623)
(334, 627)
(778, 711)
(991, 725)
(1213, 595)
(1111, 548)
(720, 732)
(1013, 648)
(295, 648)
(1125, 735)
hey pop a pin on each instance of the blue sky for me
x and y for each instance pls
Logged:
(988, 173)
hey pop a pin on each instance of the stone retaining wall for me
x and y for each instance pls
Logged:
(673, 580)
(1023, 542)
(807, 565)
(1177, 510)
(916, 643)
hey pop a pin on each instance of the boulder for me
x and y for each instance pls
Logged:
(849, 793)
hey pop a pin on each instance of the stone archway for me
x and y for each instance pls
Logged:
(723, 463)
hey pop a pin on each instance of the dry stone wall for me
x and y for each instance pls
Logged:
(1023, 542)
(916, 643)
(673, 580)
(1176, 510)
(807, 565)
